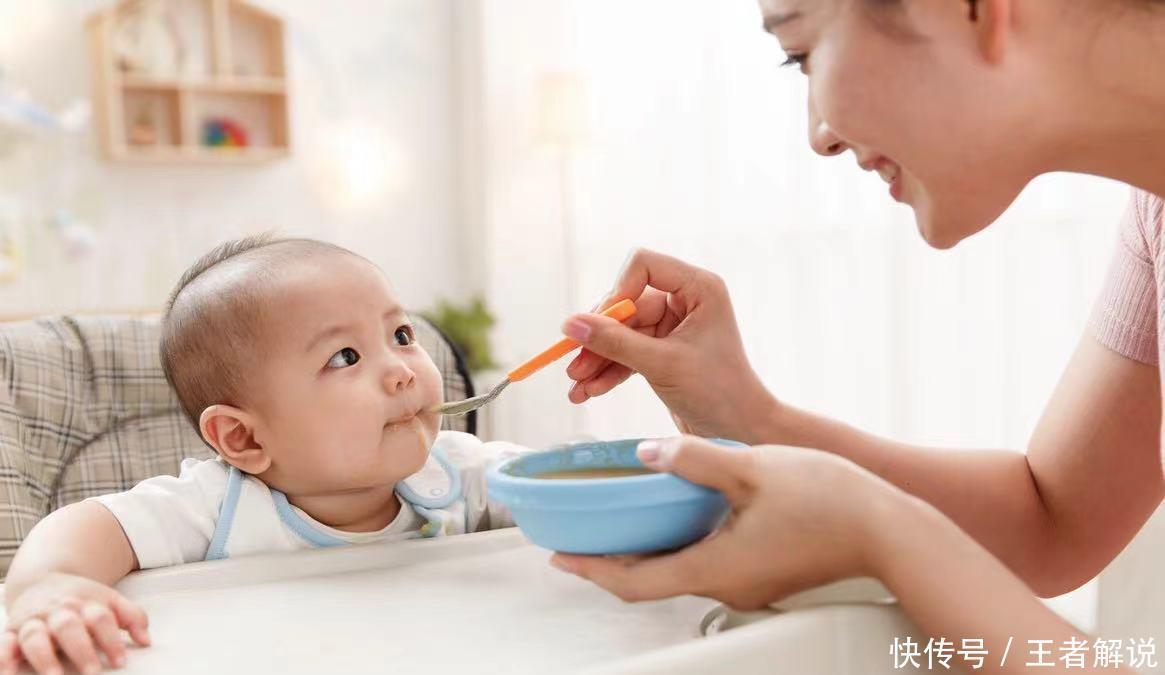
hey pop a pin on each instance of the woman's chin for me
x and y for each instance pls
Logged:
(958, 212)
(944, 232)
(938, 239)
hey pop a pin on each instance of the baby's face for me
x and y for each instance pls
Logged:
(344, 392)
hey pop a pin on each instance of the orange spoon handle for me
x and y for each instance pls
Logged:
(620, 311)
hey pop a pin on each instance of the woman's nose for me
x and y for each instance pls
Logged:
(821, 138)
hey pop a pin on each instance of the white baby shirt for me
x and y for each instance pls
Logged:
(212, 510)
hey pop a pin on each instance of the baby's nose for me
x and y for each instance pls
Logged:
(398, 377)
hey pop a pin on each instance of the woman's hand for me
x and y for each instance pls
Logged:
(684, 340)
(800, 518)
(78, 616)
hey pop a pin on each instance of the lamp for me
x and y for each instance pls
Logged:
(361, 163)
(562, 126)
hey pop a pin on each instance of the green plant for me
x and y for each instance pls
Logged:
(467, 326)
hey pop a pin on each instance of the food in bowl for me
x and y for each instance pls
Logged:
(581, 474)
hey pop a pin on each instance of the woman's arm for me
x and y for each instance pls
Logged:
(954, 589)
(801, 519)
(1057, 515)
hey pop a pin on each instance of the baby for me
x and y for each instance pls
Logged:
(296, 362)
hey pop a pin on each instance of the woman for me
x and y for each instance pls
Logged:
(957, 105)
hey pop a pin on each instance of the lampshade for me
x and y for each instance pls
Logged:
(562, 114)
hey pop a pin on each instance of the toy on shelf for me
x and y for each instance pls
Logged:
(223, 132)
(148, 39)
(143, 131)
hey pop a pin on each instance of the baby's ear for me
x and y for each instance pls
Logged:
(231, 431)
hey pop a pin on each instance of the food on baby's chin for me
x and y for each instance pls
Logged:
(612, 472)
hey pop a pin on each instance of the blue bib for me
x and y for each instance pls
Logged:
(436, 486)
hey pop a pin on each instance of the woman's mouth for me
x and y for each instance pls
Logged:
(889, 172)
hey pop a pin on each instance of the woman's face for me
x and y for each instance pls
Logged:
(928, 98)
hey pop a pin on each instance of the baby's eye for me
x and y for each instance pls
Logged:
(404, 336)
(344, 358)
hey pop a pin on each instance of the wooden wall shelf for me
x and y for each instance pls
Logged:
(226, 71)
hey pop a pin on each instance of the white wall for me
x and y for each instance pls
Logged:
(378, 74)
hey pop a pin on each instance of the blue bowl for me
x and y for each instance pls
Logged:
(600, 516)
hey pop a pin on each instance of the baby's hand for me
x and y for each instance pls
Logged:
(77, 615)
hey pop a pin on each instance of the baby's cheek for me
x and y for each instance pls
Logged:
(432, 389)
(429, 427)
(431, 380)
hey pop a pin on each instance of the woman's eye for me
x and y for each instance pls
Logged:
(344, 358)
(404, 336)
(799, 60)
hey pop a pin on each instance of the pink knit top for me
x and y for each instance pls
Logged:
(1127, 316)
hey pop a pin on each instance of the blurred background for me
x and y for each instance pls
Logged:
(499, 159)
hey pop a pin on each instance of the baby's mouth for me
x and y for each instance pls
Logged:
(403, 419)
(409, 421)
(408, 416)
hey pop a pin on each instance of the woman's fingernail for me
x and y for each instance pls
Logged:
(562, 564)
(576, 330)
(648, 451)
(657, 454)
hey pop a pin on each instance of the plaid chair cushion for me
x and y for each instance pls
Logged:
(85, 410)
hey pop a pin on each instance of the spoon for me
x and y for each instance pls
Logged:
(620, 311)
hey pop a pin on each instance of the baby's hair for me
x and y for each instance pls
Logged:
(214, 317)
